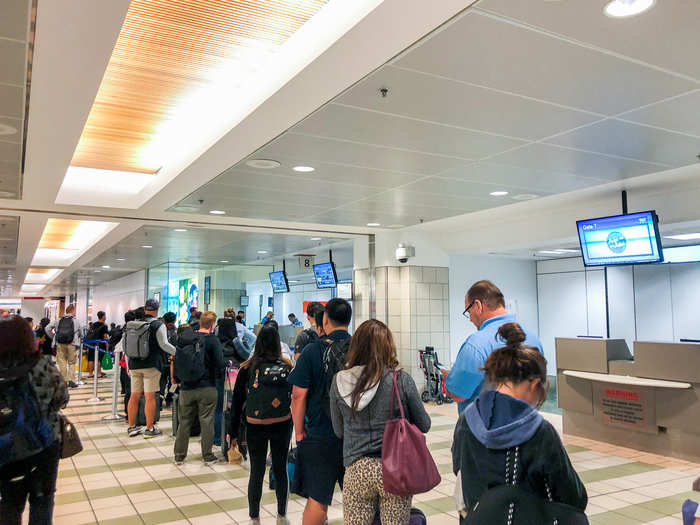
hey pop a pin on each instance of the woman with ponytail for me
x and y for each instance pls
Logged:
(502, 440)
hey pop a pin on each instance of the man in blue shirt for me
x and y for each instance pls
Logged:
(293, 320)
(485, 307)
(319, 451)
(267, 317)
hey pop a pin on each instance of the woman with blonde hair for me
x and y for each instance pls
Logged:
(360, 406)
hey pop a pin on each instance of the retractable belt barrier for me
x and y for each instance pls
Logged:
(94, 345)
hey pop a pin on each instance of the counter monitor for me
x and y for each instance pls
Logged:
(622, 239)
(279, 282)
(325, 275)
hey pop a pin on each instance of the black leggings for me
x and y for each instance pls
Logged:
(35, 477)
(279, 436)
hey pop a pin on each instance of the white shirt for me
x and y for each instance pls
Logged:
(52, 326)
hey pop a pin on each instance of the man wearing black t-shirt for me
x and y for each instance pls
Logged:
(98, 331)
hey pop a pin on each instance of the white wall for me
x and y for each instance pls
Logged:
(292, 302)
(117, 297)
(516, 279)
(253, 313)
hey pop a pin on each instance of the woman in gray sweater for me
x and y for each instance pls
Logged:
(360, 406)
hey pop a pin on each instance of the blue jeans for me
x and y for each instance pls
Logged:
(219, 411)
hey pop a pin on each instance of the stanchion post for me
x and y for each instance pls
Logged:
(95, 399)
(115, 372)
(80, 381)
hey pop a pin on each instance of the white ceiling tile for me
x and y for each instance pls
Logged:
(502, 55)
(426, 196)
(557, 159)
(10, 151)
(14, 16)
(387, 130)
(678, 114)
(613, 137)
(467, 189)
(637, 37)
(13, 57)
(11, 123)
(11, 101)
(450, 102)
(526, 180)
(353, 154)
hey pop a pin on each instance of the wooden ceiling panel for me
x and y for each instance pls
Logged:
(167, 50)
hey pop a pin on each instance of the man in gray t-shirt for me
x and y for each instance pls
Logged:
(66, 352)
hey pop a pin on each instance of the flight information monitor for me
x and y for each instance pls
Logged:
(325, 275)
(279, 282)
(622, 239)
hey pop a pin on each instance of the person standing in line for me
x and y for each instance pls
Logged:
(286, 351)
(294, 321)
(145, 373)
(66, 337)
(44, 340)
(319, 451)
(268, 317)
(98, 332)
(24, 369)
(262, 388)
(502, 439)
(361, 399)
(240, 317)
(199, 364)
(485, 307)
(308, 335)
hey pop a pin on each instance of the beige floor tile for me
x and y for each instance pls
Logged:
(75, 519)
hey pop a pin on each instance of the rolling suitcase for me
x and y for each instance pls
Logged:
(141, 416)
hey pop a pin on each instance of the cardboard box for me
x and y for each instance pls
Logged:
(589, 355)
(670, 361)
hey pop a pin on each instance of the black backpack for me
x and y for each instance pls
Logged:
(65, 332)
(190, 367)
(303, 339)
(269, 393)
(334, 359)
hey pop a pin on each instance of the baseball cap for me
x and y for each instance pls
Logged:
(152, 305)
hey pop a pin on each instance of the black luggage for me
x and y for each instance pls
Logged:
(141, 416)
(195, 430)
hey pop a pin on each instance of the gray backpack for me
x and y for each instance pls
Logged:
(136, 339)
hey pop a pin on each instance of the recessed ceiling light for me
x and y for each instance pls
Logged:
(625, 8)
(396, 226)
(98, 271)
(303, 169)
(524, 197)
(223, 262)
(146, 246)
(373, 224)
(105, 266)
(683, 236)
(7, 130)
(315, 238)
(263, 164)
(498, 193)
(262, 252)
(550, 252)
(217, 212)
(180, 230)
(121, 259)
(292, 282)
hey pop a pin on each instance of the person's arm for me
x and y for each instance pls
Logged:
(415, 410)
(299, 396)
(162, 338)
(240, 394)
(336, 414)
(557, 471)
(464, 379)
(51, 329)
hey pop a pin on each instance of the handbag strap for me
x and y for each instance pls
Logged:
(395, 394)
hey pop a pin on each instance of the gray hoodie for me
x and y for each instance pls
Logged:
(362, 433)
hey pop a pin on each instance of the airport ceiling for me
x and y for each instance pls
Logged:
(536, 99)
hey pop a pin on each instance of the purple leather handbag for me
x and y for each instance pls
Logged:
(407, 466)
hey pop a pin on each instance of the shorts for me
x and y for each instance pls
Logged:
(145, 380)
(319, 467)
(90, 354)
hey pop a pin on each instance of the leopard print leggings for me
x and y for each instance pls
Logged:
(363, 496)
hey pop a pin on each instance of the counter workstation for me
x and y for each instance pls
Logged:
(648, 402)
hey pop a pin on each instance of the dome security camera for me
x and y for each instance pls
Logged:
(404, 253)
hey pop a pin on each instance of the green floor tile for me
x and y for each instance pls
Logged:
(162, 516)
(573, 449)
(618, 471)
(169, 483)
(234, 474)
(67, 473)
(108, 492)
(125, 520)
(640, 514)
(70, 497)
(440, 445)
(666, 506)
(445, 469)
(611, 518)
(444, 504)
(233, 503)
(97, 469)
(141, 487)
(442, 427)
(200, 509)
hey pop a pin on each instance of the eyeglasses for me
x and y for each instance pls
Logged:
(465, 313)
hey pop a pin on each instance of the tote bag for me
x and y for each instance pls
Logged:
(407, 466)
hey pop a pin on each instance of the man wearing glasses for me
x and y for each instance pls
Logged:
(485, 307)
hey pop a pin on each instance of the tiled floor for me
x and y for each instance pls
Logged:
(118, 480)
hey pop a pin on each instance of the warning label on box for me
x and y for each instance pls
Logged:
(623, 407)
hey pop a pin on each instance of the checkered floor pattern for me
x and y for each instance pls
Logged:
(124, 481)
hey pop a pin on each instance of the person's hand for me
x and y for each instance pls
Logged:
(444, 372)
(300, 436)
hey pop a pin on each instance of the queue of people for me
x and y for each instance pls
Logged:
(335, 393)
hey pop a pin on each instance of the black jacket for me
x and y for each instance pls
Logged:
(485, 461)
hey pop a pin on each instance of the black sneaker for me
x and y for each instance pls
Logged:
(71, 384)
(152, 432)
(134, 431)
(210, 460)
(179, 461)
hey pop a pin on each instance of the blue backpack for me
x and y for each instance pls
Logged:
(23, 431)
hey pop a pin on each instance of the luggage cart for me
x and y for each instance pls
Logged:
(435, 389)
